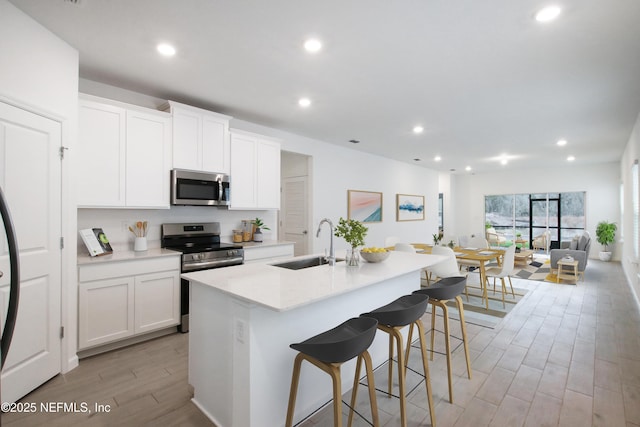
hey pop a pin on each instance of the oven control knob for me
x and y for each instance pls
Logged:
(231, 253)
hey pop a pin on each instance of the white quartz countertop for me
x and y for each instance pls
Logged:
(266, 243)
(281, 289)
(116, 256)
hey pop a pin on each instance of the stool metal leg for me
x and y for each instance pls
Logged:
(433, 329)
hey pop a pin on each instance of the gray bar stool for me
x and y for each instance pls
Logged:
(406, 310)
(439, 293)
(328, 351)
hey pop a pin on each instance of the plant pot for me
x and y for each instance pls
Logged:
(257, 235)
(605, 256)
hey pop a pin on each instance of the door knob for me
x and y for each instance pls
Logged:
(304, 232)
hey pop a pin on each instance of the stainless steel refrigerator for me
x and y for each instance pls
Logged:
(14, 267)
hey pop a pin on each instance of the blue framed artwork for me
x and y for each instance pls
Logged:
(409, 207)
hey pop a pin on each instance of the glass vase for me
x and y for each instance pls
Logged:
(353, 257)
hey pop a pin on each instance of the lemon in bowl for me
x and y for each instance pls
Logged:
(374, 254)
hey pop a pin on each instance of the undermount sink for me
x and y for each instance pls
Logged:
(299, 264)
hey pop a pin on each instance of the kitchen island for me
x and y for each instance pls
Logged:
(243, 319)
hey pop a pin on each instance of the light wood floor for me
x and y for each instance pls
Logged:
(564, 356)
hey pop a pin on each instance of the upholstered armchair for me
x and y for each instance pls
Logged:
(541, 242)
(494, 238)
(578, 249)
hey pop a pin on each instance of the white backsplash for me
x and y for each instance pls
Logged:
(115, 222)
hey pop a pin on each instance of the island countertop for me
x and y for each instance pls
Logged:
(281, 289)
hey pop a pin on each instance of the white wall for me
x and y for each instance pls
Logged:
(39, 73)
(336, 169)
(629, 258)
(601, 183)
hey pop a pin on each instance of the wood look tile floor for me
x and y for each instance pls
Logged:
(564, 356)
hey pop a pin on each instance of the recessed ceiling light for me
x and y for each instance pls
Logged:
(571, 158)
(166, 49)
(548, 14)
(416, 160)
(354, 141)
(437, 158)
(562, 142)
(418, 129)
(504, 161)
(468, 168)
(304, 102)
(312, 45)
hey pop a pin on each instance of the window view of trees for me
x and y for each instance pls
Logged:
(523, 216)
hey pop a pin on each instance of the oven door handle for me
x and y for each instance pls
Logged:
(215, 263)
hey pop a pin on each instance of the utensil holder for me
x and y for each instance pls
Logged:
(140, 244)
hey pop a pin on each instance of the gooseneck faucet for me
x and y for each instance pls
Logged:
(332, 255)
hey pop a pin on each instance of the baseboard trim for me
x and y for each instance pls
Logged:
(126, 342)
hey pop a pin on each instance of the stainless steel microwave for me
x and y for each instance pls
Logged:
(196, 188)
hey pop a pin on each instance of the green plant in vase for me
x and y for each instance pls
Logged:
(353, 232)
(257, 235)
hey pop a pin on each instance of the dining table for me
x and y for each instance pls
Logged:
(480, 255)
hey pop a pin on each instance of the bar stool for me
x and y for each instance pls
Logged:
(391, 318)
(328, 351)
(439, 293)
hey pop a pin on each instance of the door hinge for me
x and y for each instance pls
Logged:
(61, 331)
(61, 242)
(61, 151)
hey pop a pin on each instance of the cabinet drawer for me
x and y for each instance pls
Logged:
(106, 270)
(279, 251)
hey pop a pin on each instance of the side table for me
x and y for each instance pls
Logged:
(569, 273)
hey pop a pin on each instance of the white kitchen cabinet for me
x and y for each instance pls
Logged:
(157, 301)
(200, 138)
(126, 298)
(124, 155)
(269, 253)
(255, 171)
(105, 311)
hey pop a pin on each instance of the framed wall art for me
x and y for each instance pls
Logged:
(409, 207)
(364, 206)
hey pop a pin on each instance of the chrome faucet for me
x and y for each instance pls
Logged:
(332, 255)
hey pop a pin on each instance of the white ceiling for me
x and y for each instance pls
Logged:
(482, 77)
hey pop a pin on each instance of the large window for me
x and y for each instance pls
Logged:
(525, 216)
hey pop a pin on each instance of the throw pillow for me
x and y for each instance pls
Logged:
(582, 243)
(574, 243)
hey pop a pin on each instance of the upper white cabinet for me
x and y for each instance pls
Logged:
(124, 155)
(200, 138)
(255, 171)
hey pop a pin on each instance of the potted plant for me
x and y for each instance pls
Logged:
(257, 235)
(606, 234)
(436, 239)
(353, 232)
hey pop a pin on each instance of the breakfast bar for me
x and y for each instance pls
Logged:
(243, 319)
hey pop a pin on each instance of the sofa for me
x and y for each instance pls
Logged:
(578, 248)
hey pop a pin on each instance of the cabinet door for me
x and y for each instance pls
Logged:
(268, 175)
(187, 137)
(215, 144)
(101, 155)
(157, 301)
(148, 160)
(105, 311)
(243, 172)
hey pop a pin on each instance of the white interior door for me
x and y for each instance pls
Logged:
(295, 212)
(30, 178)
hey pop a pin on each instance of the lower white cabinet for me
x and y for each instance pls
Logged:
(122, 299)
(267, 253)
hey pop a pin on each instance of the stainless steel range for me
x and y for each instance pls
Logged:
(201, 250)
